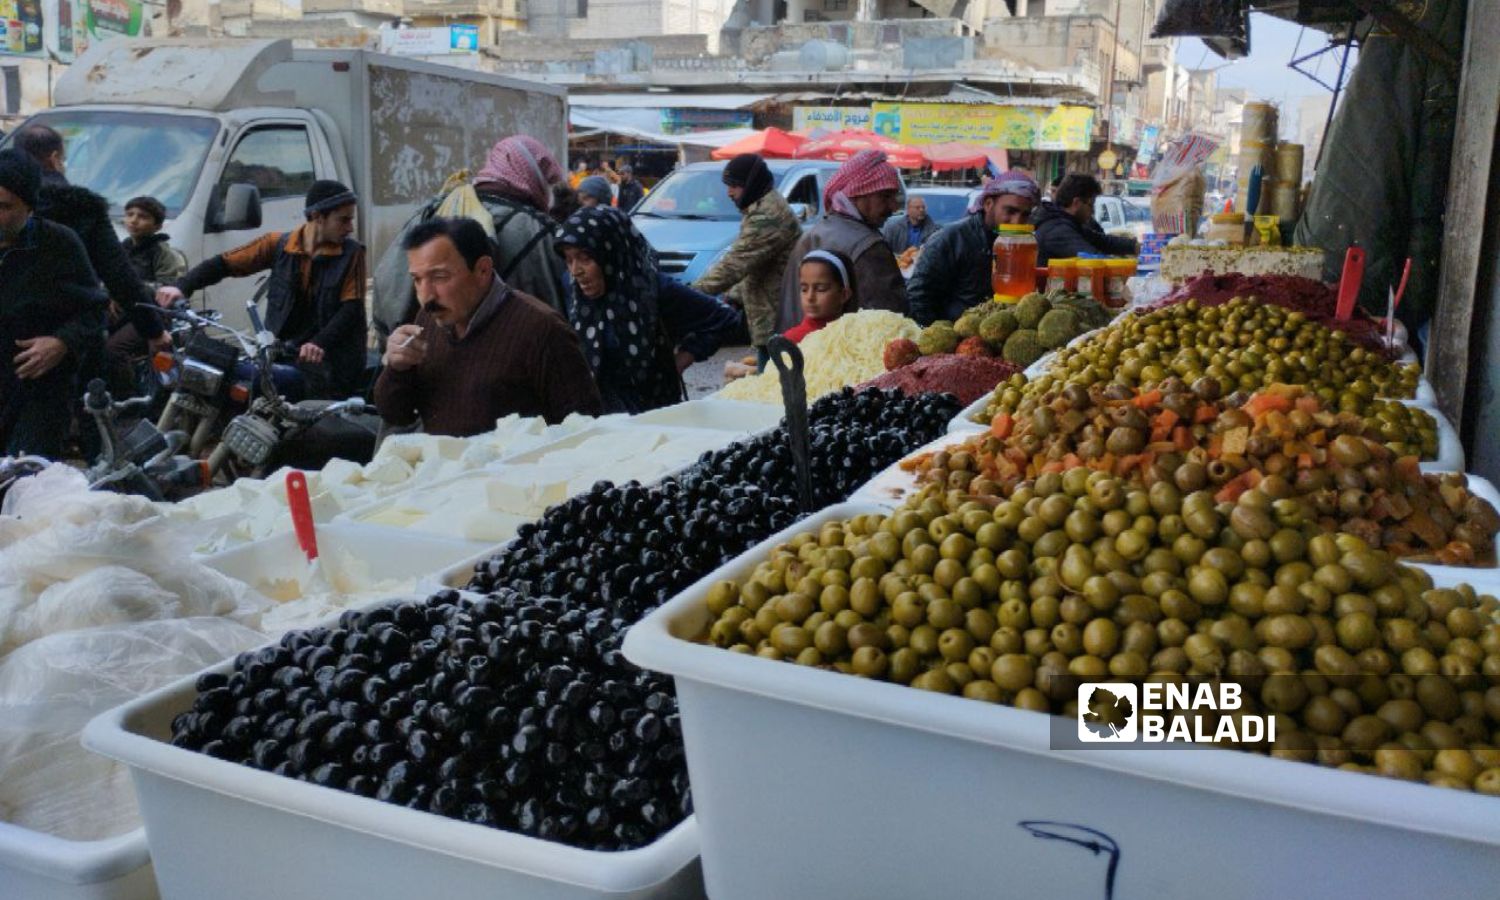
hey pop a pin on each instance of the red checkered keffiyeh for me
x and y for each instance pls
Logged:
(867, 172)
(521, 164)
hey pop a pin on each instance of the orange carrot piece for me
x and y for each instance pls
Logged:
(1002, 425)
(1182, 437)
(1148, 399)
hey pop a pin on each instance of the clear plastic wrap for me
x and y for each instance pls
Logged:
(52, 687)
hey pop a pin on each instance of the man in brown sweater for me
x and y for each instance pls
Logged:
(478, 349)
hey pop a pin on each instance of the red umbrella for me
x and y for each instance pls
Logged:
(773, 143)
(955, 155)
(841, 145)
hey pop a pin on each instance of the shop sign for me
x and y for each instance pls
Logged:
(436, 41)
(686, 120)
(986, 125)
(807, 119)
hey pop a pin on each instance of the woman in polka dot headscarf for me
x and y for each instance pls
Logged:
(639, 329)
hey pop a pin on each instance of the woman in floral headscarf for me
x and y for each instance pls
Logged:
(515, 186)
(639, 329)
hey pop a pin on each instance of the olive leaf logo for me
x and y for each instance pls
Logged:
(1107, 714)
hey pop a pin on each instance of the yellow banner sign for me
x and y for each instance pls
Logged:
(986, 125)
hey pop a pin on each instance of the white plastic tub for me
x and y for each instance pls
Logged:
(1450, 452)
(35, 866)
(964, 421)
(229, 832)
(378, 554)
(735, 416)
(881, 791)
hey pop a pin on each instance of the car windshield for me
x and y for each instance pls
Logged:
(689, 194)
(944, 208)
(121, 155)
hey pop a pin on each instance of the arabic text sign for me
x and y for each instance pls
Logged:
(807, 119)
(986, 125)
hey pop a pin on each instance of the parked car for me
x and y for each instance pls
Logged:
(690, 220)
(945, 205)
(1123, 215)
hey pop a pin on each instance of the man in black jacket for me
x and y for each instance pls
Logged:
(953, 272)
(631, 191)
(51, 314)
(87, 214)
(1065, 227)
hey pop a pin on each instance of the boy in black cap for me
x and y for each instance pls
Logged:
(316, 294)
(51, 314)
(154, 261)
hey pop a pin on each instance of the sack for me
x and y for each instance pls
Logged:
(1177, 185)
(394, 303)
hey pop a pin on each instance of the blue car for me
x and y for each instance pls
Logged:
(691, 221)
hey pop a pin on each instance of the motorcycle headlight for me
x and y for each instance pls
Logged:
(201, 378)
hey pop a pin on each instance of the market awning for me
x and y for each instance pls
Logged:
(586, 123)
(772, 143)
(953, 156)
(841, 145)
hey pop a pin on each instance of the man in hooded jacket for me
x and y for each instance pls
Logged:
(757, 259)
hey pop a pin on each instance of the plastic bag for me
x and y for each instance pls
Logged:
(1177, 185)
(52, 687)
(463, 203)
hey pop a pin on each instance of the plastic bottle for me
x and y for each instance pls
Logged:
(1120, 271)
(1014, 273)
(1061, 275)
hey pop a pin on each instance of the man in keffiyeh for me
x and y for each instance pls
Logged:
(860, 196)
(953, 272)
(515, 186)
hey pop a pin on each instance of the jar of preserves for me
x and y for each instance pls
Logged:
(1013, 274)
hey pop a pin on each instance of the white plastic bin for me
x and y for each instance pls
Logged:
(383, 554)
(964, 421)
(1450, 452)
(735, 416)
(35, 866)
(882, 791)
(229, 832)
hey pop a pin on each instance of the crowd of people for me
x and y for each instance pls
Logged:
(549, 302)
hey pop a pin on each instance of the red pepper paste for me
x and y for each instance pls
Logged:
(967, 377)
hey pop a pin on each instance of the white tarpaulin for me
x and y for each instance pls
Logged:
(645, 125)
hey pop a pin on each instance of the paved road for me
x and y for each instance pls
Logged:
(708, 376)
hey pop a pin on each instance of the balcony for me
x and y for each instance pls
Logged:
(1155, 56)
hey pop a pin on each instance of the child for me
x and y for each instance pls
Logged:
(827, 290)
(154, 261)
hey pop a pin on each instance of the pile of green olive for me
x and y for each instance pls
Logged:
(1082, 577)
(1244, 345)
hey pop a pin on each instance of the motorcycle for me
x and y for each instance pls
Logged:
(201, 377)
(140, 459)
(274, 432)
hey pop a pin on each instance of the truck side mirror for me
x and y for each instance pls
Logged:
(240, 210)
(801, 211)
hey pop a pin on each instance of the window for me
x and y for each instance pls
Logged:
(277, 160)
(581, 10)
(12, 90)
(805, 191)
(835, 4)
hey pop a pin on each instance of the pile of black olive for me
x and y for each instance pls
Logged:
(853, 436)
(498, 710)
(510, 705)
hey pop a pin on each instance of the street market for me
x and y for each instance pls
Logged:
(491, 488)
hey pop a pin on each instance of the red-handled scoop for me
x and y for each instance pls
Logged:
(1349, 283)
(302, 517)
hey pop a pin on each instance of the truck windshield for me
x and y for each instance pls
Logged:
(121, 155)
(689, 194)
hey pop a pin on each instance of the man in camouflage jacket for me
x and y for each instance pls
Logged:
(758, 257)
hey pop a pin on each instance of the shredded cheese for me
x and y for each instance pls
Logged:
(850, 350)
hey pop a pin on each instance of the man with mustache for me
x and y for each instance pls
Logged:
(51, 314)
(479, 349)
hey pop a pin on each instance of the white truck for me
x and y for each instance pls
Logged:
(229, 134)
